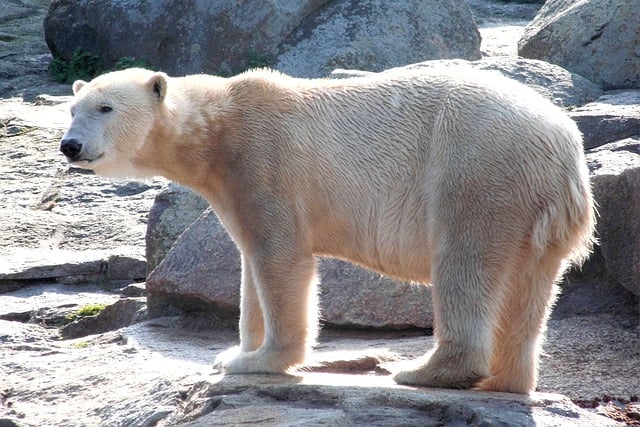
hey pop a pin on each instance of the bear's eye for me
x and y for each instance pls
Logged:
(105, 109)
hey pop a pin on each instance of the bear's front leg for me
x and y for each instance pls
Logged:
(285, 289)
(251, 319)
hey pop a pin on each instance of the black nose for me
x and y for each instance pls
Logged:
(71, 148)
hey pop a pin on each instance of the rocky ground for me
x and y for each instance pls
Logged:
(57, 221)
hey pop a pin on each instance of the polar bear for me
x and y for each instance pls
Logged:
(464, 180)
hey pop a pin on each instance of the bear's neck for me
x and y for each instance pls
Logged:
(179, 142)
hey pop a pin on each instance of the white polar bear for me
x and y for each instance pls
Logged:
(473, 183)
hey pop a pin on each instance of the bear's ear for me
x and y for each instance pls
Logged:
(157, 84)
(77, 85)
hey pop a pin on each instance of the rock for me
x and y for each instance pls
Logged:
(192, 280)
(134, 290)
(555, 83)
(338, 401)
(217, 38)
(28, 265)
(173, 210)
(612, 117)
(159, 372)
(25, 57)
(379, 35)
(304, 38)
(124, 312)
(615, 174)
(598, 40)
(208, 280)
(351, 296)
(49, 304)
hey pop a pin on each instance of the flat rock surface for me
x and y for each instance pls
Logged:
(161, 370)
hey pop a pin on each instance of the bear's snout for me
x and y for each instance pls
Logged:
(71, 148)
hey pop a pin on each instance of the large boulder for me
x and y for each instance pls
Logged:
(223, 37)
(173, 210)
(596, 39)
(615, 169)
(612, 117)
(219, 37)
(378, 34)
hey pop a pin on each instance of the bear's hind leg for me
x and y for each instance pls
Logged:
(522, 324)
(465, 296)
(287, 294)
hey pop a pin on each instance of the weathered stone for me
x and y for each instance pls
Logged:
(61, 265)
(342, 400)
(25, 58)
(50, 304)
(352, 296)
(612, 117)
(173, 210)
(598, 40)
(615, 170)
(555, 83)
(210, 275)
(219, 37)
(159, 372)
(123, 312)
(379, 35)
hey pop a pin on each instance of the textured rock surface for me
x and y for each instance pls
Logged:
(158, 373)
(29, 265)
(173, 210)
(304, 38)
(598, 40)
(199, 36)
(120, 314)
(377, 35)
(612, 117)
(24, 56)
(616, 188)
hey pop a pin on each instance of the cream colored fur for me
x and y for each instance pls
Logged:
(471, 182)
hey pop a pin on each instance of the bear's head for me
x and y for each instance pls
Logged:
(112, 117)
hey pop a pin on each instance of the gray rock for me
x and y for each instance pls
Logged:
(308, 38)
(191, 280)
(377, 35)
(28, 265)
(219, 37)
(598, 40)
(173, 210)
(208, 280)
(615, 170)
(351, 296)
(49, 304)
(123, 312)
(553, 82)
(612, 117)
(134, 290)
(158, 371)
(25, 57)
(342, 401)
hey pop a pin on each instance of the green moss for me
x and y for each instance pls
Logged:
(87, 310)
(85, 66)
